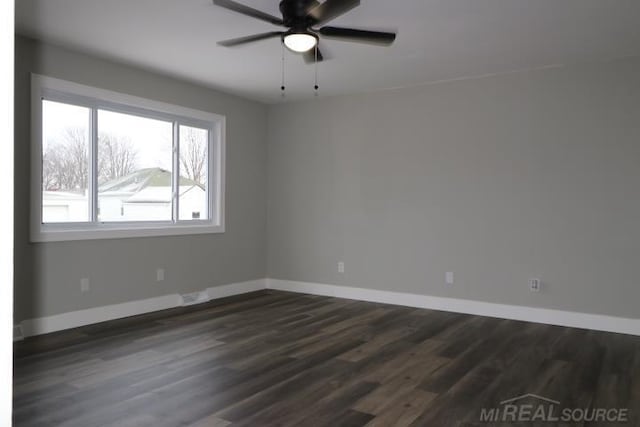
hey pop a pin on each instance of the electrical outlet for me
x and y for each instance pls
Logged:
(160, 274)
(341, 267)
(535, 285)
(84, 285)
(448, 277)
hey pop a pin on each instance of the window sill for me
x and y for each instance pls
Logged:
(117, 231)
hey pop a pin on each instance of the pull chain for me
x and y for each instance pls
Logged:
(282, 87)
(316, 87)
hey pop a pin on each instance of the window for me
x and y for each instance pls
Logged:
(108, 165)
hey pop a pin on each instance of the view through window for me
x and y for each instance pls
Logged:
(135, 158)
(193, 168)
(65, 162)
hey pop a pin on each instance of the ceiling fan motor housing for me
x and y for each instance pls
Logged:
(295, 13)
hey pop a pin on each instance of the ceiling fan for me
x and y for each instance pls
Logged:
(302, 18)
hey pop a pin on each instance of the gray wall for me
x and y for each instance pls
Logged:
(48, 275)
(531, 174)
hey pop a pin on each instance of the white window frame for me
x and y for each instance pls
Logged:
(43, 87)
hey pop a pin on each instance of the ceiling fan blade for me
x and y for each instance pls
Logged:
(250, 39)
(249, 11)
(330, 9)
(310, 56)
(360, 36)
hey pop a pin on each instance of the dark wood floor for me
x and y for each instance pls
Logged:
(274, 358)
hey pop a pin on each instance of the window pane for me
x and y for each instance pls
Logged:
(194, 167)
(134, 168)
(65, 162)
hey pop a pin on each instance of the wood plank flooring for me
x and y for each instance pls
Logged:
(279, 359)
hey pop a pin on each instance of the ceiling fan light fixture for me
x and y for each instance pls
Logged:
(300, 42)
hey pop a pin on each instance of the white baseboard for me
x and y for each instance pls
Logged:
(89, 316)
(74, 319)
(529, 314)
(217, 292)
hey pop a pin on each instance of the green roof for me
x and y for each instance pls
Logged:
(142, 178)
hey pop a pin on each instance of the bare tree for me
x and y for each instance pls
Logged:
(116, 157)
(193, 154)
(65, 162)
(49, 166)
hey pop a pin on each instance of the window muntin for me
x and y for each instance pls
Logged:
(179, 196)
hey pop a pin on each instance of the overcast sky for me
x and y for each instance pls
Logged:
(151, 139)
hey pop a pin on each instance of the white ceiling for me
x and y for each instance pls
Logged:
(437, 40)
